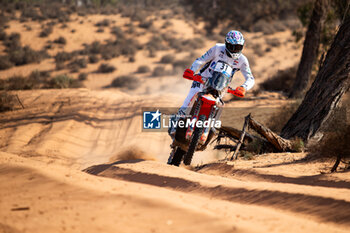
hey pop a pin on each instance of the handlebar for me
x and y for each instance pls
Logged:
(197, 78)
(234, 92)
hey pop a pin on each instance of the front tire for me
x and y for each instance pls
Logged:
(194, 142)
(177, 157)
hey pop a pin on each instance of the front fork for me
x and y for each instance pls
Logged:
(205, 134)
(191, 127)
(211, 115)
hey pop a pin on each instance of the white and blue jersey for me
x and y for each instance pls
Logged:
(210, 59)
(217, 53)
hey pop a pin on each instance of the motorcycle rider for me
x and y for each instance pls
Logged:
(230, 53)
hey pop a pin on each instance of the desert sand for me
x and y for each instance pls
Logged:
(76, 160)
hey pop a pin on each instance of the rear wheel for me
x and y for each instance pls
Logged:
(194, 142)
(177, 157)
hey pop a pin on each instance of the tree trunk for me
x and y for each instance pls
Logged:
(332, 81)
(310, 50)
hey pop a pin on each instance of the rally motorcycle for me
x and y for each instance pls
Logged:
(196, 128)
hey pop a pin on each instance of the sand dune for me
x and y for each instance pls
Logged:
(76, 160)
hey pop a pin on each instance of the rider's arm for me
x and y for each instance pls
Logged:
(209, 55)
(247, 73)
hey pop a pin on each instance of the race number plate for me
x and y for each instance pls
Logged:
(223, 67)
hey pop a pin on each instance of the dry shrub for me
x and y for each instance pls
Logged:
(30, 13)
(54, 10)
(333, 144)
(184, 63)
(146, 24)
(132, 153)
(112, 49)
(156, 43)
(64, 81)
(132, 59)
(94, 48)
(282, 115)
(82, 76)
(63, 57)
(159, 71)
(103, 23)
(77, 64)
(100, 30)
(25, 55)
(2, 34)
(118, 32)
(46, 31)
(129, 82)
(18, 55)
(167, 59)
(7, 102)
(12, 42)
(281, 82)
(195, 43)
(274, 42)
(5, 63)
(167, 24)
(336, 134)
(258, 50)
(36, 80)
(298, 145)
(143, 69)
(269, 27)
(60, 40)
(105, 68)
(93, 58)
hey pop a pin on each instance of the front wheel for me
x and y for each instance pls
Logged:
(176, 157)
(194, 142)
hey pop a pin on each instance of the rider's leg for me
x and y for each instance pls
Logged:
(182, 111)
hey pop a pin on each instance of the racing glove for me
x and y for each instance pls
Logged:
(240, 91)
(188, 74)
(198, 78)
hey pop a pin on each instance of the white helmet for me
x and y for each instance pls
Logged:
(234, 43)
